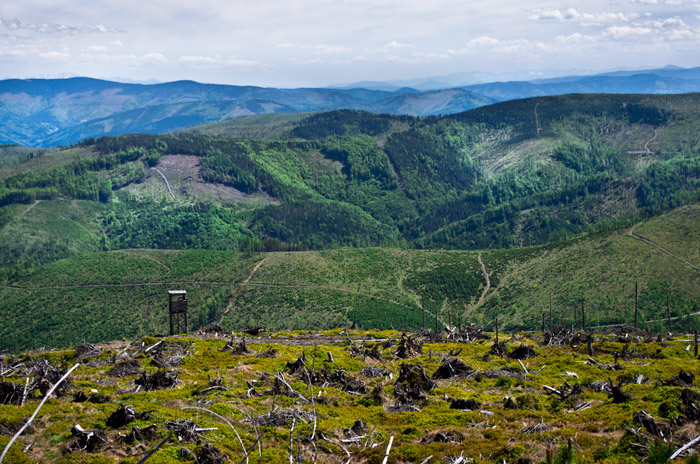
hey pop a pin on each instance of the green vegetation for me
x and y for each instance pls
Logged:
(518, 173)
(224, 392)
(111, 295)
(565, 177)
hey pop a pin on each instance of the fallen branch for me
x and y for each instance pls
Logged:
(155, 448)
(227, 422)
(291, 441)
(24, 393)
(553, 390)
(524, 369)
(684, 447)
(388, 450)
(46, 397)
(153, 346)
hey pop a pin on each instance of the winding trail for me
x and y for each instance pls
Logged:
(233, 294)
(646, 150)
(488, 284)
(646, 145)
(30, 207)
(167, 184)
(656, 245)
(537, 121)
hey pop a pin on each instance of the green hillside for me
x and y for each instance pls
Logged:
(547, 193)
(518, 173)
(111, 295)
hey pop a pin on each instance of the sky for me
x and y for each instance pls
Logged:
(311, 43)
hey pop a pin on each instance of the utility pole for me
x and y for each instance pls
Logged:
(496, 330)
(437, 311)
(543, 323)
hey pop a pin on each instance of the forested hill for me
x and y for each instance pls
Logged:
(517, 173)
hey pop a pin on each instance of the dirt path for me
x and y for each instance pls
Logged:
(537, 121)
(167, 184)
(646, 145)
(656, 245)
(140, 284)
(646, 150)
(488, 284)
(245, 282)
(399, 179)
(31, 206)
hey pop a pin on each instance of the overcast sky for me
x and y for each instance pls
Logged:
(291, 43)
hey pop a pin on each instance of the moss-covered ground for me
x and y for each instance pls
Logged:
(222, 391)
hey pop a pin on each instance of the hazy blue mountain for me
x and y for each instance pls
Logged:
(637, 83)
(39, 112)
(50, 112)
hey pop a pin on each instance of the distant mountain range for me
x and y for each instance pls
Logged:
(465, 79)
(51, 112)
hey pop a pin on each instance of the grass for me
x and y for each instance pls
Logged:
(119, 294)
(50, 229)
(597, 432)
(260, 126)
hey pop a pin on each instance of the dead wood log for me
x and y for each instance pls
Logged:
(254, 331)
(646, 420)
(155, 448)
(124, 415)
(452, 367)
(26, 424)
(85, 440)
(616, 393)
(685, 447)
(409, 347)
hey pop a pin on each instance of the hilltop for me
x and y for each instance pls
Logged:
(59, 112)
(38, 112)
(517, 173)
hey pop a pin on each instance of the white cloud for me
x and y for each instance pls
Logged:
(584, 19)
(618, 32)
(323, 41)
(394, 45)
(506, 47)
(54, 55)
(199, 61)
(156, 57)
(55, 28)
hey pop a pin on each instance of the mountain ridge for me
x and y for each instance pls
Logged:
(37, 112)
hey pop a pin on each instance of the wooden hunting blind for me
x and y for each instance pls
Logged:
(178, 306)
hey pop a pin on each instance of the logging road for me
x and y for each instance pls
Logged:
(167, 184)
(656, 245)
(245, 282)
(488, 284)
